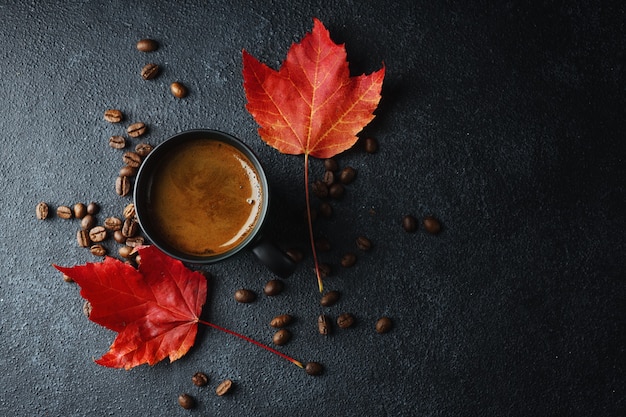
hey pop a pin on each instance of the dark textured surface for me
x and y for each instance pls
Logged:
(506, 122)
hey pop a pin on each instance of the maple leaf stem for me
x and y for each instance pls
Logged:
(248, 339)
(310, 221)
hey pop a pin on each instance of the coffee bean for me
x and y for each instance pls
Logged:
(186, 401)
(122, 186)
(431, 225)
(409, 223)
(330, 298)
(117, 142)
(329, 178)
(281, 320)
(87, 307)
(125, 251)
(129, 211)
(113, 116)
(64, 212)
(345, 320)
(93, 208)
(323, 324)
(82, 237)
(143, 149)
(371, 145)
(336, 191)
(130, 227)
(119, 237)
(178, 90)
(200, 379)
(383, 325)
(41, 211)
(224, 387)
(243, 295)
(88, 222)
(331, 165)
(363, 243)
(147, 45)
(320, 189)
(273, 287)
(322, 244)
(97, 234)
(134, 241)
(113, 223)
(314, 368)
(150, 71)
(80, 210)
(348, 260)
(136, 129)
(325, 270)
(281, 337)
(132, 159)
(128, 171)
(98, 250)
(347, 175)
(325, 210)
(295, 254)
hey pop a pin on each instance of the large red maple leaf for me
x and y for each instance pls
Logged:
(312, 105)
(155, 309)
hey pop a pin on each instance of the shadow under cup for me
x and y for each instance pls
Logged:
(202, 196)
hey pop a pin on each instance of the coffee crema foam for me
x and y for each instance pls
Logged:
(206, 198)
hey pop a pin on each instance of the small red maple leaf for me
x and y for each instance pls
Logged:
(312, 105)
(155, 309)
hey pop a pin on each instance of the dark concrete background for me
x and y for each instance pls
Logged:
(505, 121)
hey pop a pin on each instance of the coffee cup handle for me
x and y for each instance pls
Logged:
(273, 257)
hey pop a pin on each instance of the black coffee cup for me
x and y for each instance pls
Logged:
(202, 196)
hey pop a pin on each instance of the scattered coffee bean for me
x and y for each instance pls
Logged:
(322, 244)
(323, 324)
(200, 379)
(325, 210)
(383, 325)
(113, 116)
(97, 234)
(330, 298)
(143, 149)
(409, 223)
(329, 178)
(371, 145)
(113, 223)
(348, 260)
(431, 225)
(224, 387)
(331, 165)
(88, 222)
(117, 142)
(122, 186)
(82, 237)
(147, 45)
(243, 295)
(150, 71)
(320, 189)
(136, 129)
(132, 159)
(178, 90)
(98, 250)
(273, 287)
(325, 270)
(281, 337)
(314, 368)
(128, 171)
(347, 175)
(134, 241)
(80, 210)
(119, 237)
(130, 227)
(345, 320)
(42, 211)
(363, 243)
(125, 251)
(67, 278)
(186, 401)
(336, 191)
(64, 212)
(295, 254)
(87, 307)
(281, 320)
(93, 208)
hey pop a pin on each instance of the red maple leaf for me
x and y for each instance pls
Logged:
(312, 105)
(155, 309)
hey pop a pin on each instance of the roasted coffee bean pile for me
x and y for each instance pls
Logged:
(200, 379)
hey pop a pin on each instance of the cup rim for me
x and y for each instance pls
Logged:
(145, 175)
